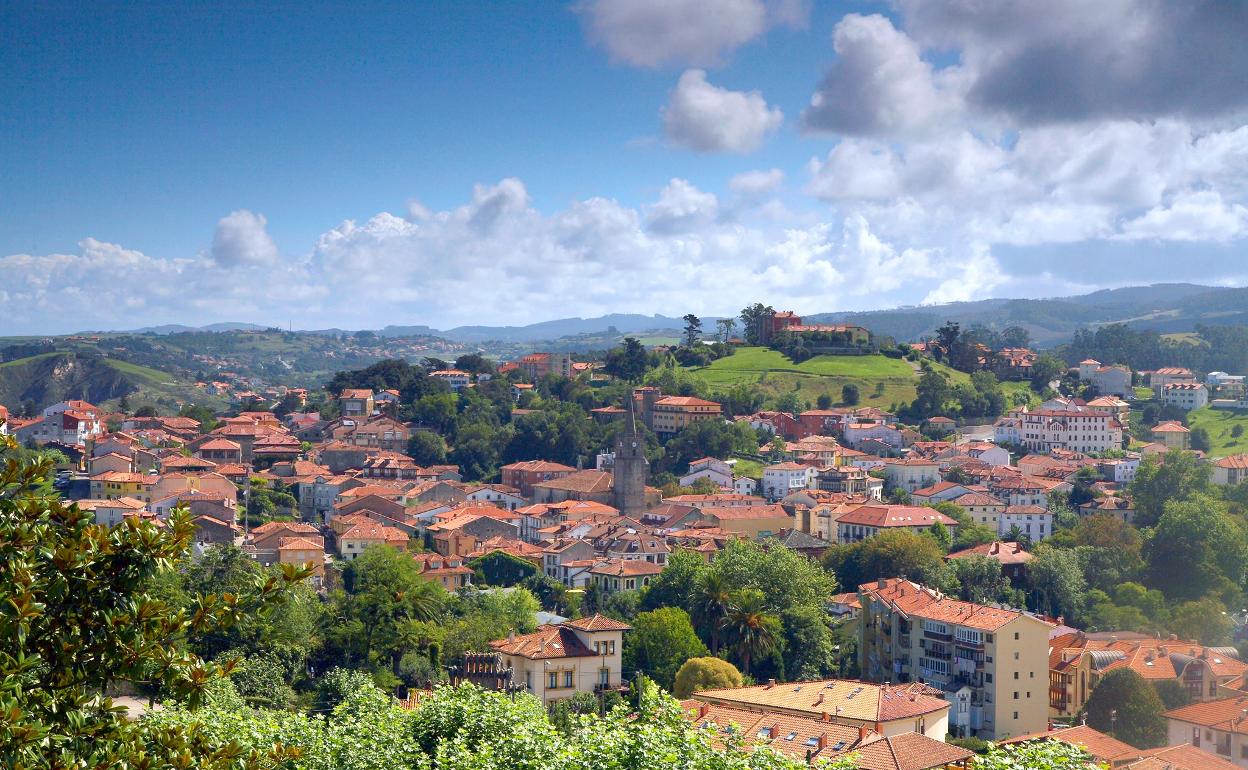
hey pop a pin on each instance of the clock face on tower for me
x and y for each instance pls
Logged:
(634, 445)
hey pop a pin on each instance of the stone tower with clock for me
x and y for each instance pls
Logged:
(630, 468)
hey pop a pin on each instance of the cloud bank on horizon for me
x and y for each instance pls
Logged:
(946, 141)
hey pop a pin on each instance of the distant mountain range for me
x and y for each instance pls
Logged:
(1166, 307)
(1163, 307)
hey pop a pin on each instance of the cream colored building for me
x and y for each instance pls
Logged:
(557, 661)
(990, 663)
(885, 709)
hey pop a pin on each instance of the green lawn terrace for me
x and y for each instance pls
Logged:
(881, 381)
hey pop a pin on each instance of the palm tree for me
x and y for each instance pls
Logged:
(711, 599)
(753, 631)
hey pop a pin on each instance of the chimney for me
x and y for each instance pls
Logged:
(703, 709)
(823, 741)
(819, 699)
(771, 683)
(862, 733)
(882, 583)
(824, 716)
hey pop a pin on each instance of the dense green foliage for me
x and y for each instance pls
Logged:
(78, 615)
(1128, 708)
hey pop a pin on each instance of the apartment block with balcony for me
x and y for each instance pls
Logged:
(990, 663)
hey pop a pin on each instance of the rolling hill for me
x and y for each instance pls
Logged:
(47, 378)
(1165, 307)
(881, 381)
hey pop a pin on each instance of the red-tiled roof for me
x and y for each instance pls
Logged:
(598, 622)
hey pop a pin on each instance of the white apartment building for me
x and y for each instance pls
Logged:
(1076, 429)
(911, 474)
(1185, 395)
(1108, 380)
(782, 479)
(1032, 520)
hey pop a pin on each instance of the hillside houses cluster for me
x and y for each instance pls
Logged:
(935, 665)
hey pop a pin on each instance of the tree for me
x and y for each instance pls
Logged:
(710, 603)
(1173, 694)
(426, 448)
(627, 362)
(1046, 369)
(1127, 707)
(824, 401)
(499, 568)
(660, 643)
(753, 318)
(1205, 621)
(474, 363)
(1157, 481)
(1200, 439)
(1015, 337)
(1036, 755)
(849, 394)
(385, 591)
(677, 584)
(1196, 549)
(699, 674)
(751, 631)
(693, 329)
(79, 616)
(980, 578)
(726, 327)
(887, 555)
(1055, 580)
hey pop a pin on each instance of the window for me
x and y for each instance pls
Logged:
(552, 680)
(1016, 715)
(567, 678)
(1016, 675)
(1016, 697)
(604, 676)
(1016, 636)
(791, 736)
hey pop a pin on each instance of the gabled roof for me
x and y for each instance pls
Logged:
(896, 516)
(1226, 714)
(1102, 747)
(908, 751)
(597, 622)
(1182, 757)
(544, 643)
(856, 700)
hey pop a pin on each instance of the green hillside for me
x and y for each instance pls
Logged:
(1221, 425)
(38, 381)
(881, 381)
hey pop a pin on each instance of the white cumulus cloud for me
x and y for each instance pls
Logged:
(707, 118)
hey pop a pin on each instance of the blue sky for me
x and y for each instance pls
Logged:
(144, 124)
(370, 163)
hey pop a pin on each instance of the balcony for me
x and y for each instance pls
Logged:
(937, 637)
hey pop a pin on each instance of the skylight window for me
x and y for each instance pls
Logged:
(791, 736)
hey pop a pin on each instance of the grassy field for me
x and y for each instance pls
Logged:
(881, 381)
(751, 468)
(1221, 424)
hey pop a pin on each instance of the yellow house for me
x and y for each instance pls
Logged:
(112, 485)
(557, 661)
(1173, 435)
(673, 413)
